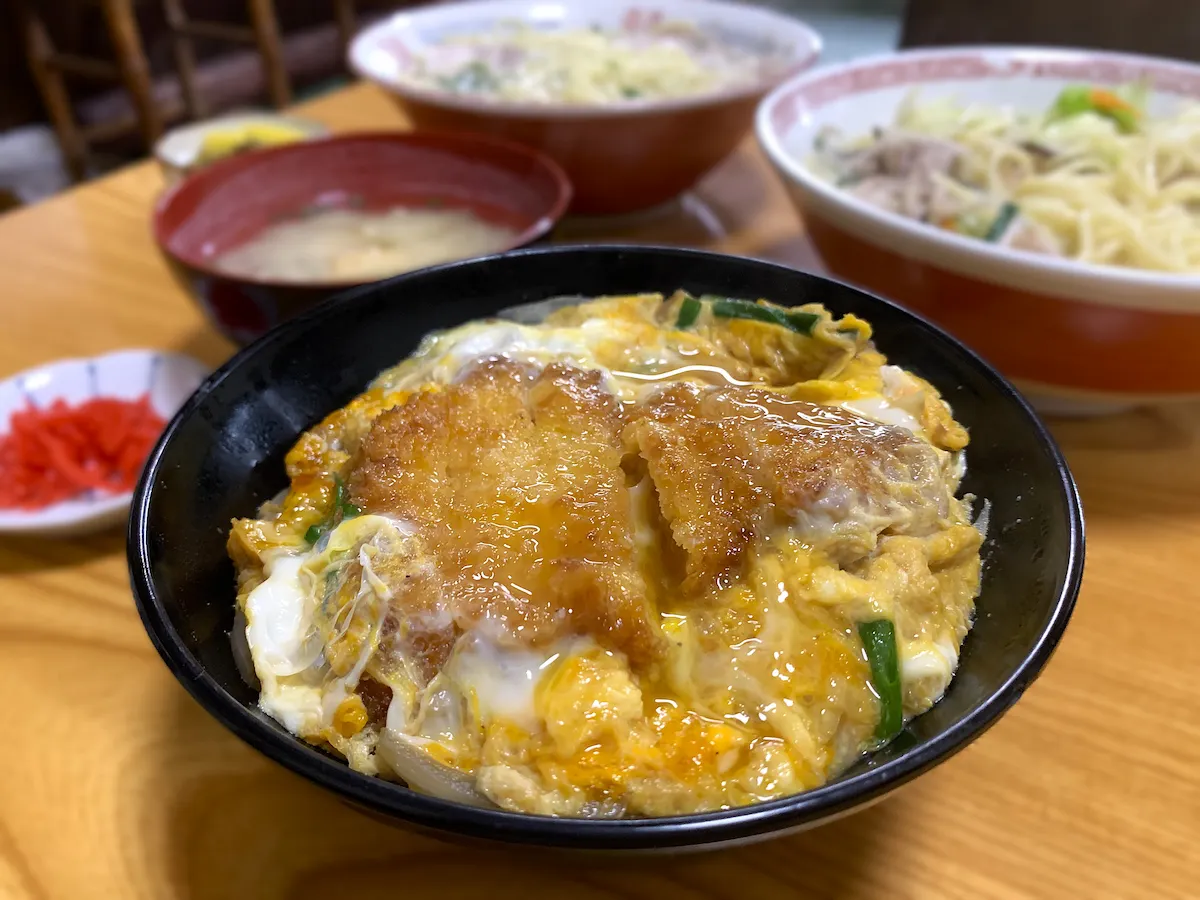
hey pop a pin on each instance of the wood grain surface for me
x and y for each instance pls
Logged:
(114, 783)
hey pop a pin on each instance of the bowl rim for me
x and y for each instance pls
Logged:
(809, 45)
(708, 830)
(1121, 286)
(455, 142)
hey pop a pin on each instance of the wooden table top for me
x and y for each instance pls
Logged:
(114, 783)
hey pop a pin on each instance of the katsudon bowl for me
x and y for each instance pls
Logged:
(222, 457)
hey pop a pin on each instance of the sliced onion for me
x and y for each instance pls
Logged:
(241, 650)
(984, 519)
(409, 761)
(535, 313)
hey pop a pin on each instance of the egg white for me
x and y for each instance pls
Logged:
(299, 690)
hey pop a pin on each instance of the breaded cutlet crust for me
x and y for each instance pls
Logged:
(512, 476)
(732, 465)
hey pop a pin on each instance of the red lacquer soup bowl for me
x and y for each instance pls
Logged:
(227, 204)
(620, 156)
(1077, 337)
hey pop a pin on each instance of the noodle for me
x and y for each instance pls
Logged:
(517, 63)
(1099, 184)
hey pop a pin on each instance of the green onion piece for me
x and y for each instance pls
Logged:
(728, 308)
(799, 322)
(1000, 224)
(879, 641)
(341, 504)
(802, 322)
(474, 77)
(689, 312)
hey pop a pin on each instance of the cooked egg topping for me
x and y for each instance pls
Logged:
(646, 557)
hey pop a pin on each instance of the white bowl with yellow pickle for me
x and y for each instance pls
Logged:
(191, 147)
(617, 569)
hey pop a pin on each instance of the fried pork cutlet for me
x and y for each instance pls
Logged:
(512, 478)
(733, 465)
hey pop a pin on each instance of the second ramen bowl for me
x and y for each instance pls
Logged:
(1078, 338)
(620, 157)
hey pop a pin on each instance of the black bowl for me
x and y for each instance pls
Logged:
(222, 455)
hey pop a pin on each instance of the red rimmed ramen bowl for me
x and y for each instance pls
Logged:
(227, 204)
(1079, 338)
(621, 156)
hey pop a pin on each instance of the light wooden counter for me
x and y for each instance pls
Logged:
(114, 783)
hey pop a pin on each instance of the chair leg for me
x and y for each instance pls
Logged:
(343, 13)
(39, 49)
(135, 71)
(185, 58)
(270, 48)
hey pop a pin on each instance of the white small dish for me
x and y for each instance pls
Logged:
(179, 148)
(169, 379)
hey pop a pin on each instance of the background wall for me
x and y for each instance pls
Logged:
(30, 167)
